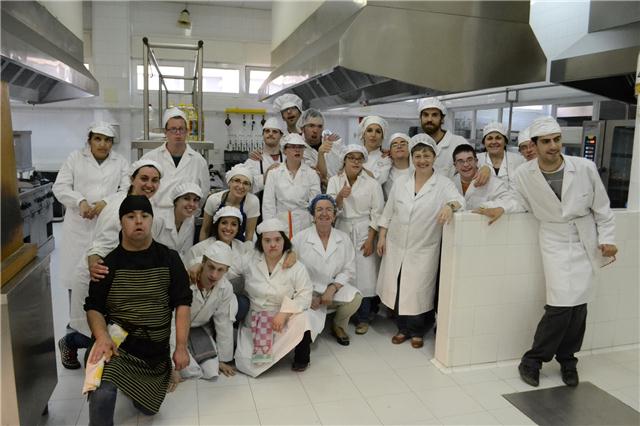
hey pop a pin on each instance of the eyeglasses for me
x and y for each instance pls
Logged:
(241, 182)
(177, 130)
(399, 144)
(354, 159)
(613, 259)
(465, 162)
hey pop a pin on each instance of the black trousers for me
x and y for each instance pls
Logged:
(302, 351)
(411, 325)
(559, 333)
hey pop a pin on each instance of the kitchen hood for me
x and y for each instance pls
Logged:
(42, 60)
(374, 52)
(604, 61)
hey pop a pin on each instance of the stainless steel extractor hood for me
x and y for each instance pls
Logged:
(385, 51)
(41, 59)
(604, 61)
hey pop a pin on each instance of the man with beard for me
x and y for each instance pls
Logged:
(320, 153)
(269, 157)
(290, 107)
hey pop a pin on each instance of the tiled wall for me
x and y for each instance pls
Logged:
(492, 290)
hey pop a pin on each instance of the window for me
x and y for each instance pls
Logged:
(172, 84)
(256, 78)
(221, 80)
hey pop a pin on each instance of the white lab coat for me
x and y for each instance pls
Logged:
(284, 193)
(284, 290)
(395, 174)
(259, 168)
(191, 168)
(571, 229)
(335, 264)
(81, 177)
(494, 193)
(379, 166)
(214, 307)
(508, 168)
(413, 242)
(360, 211)
(179, 240)
(444, 153)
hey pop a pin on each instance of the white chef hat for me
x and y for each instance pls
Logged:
(271, 225)
(524, 136)
(396, 135)
(143, 163)
(292, 139)
(186, 188)
(239, 169)
(219, 252)
(173, 113)
(431, 103)
(354, 147)
(544, 126)
(227, 211)
(307, 115)
(103, 128)
(287, 100)
(494, 126)
(373, 119)
(422, 139)
(274, 123)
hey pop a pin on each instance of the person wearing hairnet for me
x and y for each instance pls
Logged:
(503, 163)
(577, 238)
(400, 160)
(270, 155)
(85, 180)
(526, 147)
(239, 178)
(290, 187)
(360, 202)
(319, 145)
(373, 131)
(179, 162)
(290, 108)
(409, 235)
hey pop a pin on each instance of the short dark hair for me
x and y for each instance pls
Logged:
(287, 243)
(421, 147)
(135, 172)
(465, 147)
(534, 139)
(216, 225)
(109, 138)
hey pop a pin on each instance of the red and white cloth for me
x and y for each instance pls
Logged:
(262, 330)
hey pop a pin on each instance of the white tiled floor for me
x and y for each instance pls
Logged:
(370, 382)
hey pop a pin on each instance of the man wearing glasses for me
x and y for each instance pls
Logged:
(577, 237)
(179, 162)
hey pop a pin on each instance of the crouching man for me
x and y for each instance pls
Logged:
(145, 283)
(211, 335)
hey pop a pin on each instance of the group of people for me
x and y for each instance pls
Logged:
(310, 225)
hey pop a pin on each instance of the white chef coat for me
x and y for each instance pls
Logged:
(444, 153)
(310, 156)
(81, 177)
(284, 193)
(251, 205)
(508, 168)
(378, 165)
(360, 211)
(571, 229)
(178, 240)
(205, 307)
(259, 168)
(284, 290)
(191, 168)
(494, 193)
(395, 174)
(413, 242)
(333, 159)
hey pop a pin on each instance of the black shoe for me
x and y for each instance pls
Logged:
(530, 376)
(68, 356)
(341, 337)
(570, 376)
(299, 366)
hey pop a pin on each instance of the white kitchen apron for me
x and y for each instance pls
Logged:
(366, 267)
(77, 234)
(318, 316)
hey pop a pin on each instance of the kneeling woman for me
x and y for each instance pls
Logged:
(277, 322)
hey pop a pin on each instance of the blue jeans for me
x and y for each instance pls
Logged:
(243, 307)
(102, 405)
(77, 340)
(368, 305)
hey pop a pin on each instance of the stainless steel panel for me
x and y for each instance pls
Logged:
(604, 15)
(22, 148)
(26, 301)
(616, 160)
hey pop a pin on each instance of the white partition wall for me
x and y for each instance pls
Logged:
(492, 290)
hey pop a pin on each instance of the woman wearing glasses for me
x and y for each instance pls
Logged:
(360, 202)
(239, 195)
(179, 162)
(290, 187)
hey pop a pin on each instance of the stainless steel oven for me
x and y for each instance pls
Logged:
(610, 145)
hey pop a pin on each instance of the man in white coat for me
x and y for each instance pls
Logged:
(290, 107)
(576, 236)
(179, 162)
(262, 162)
